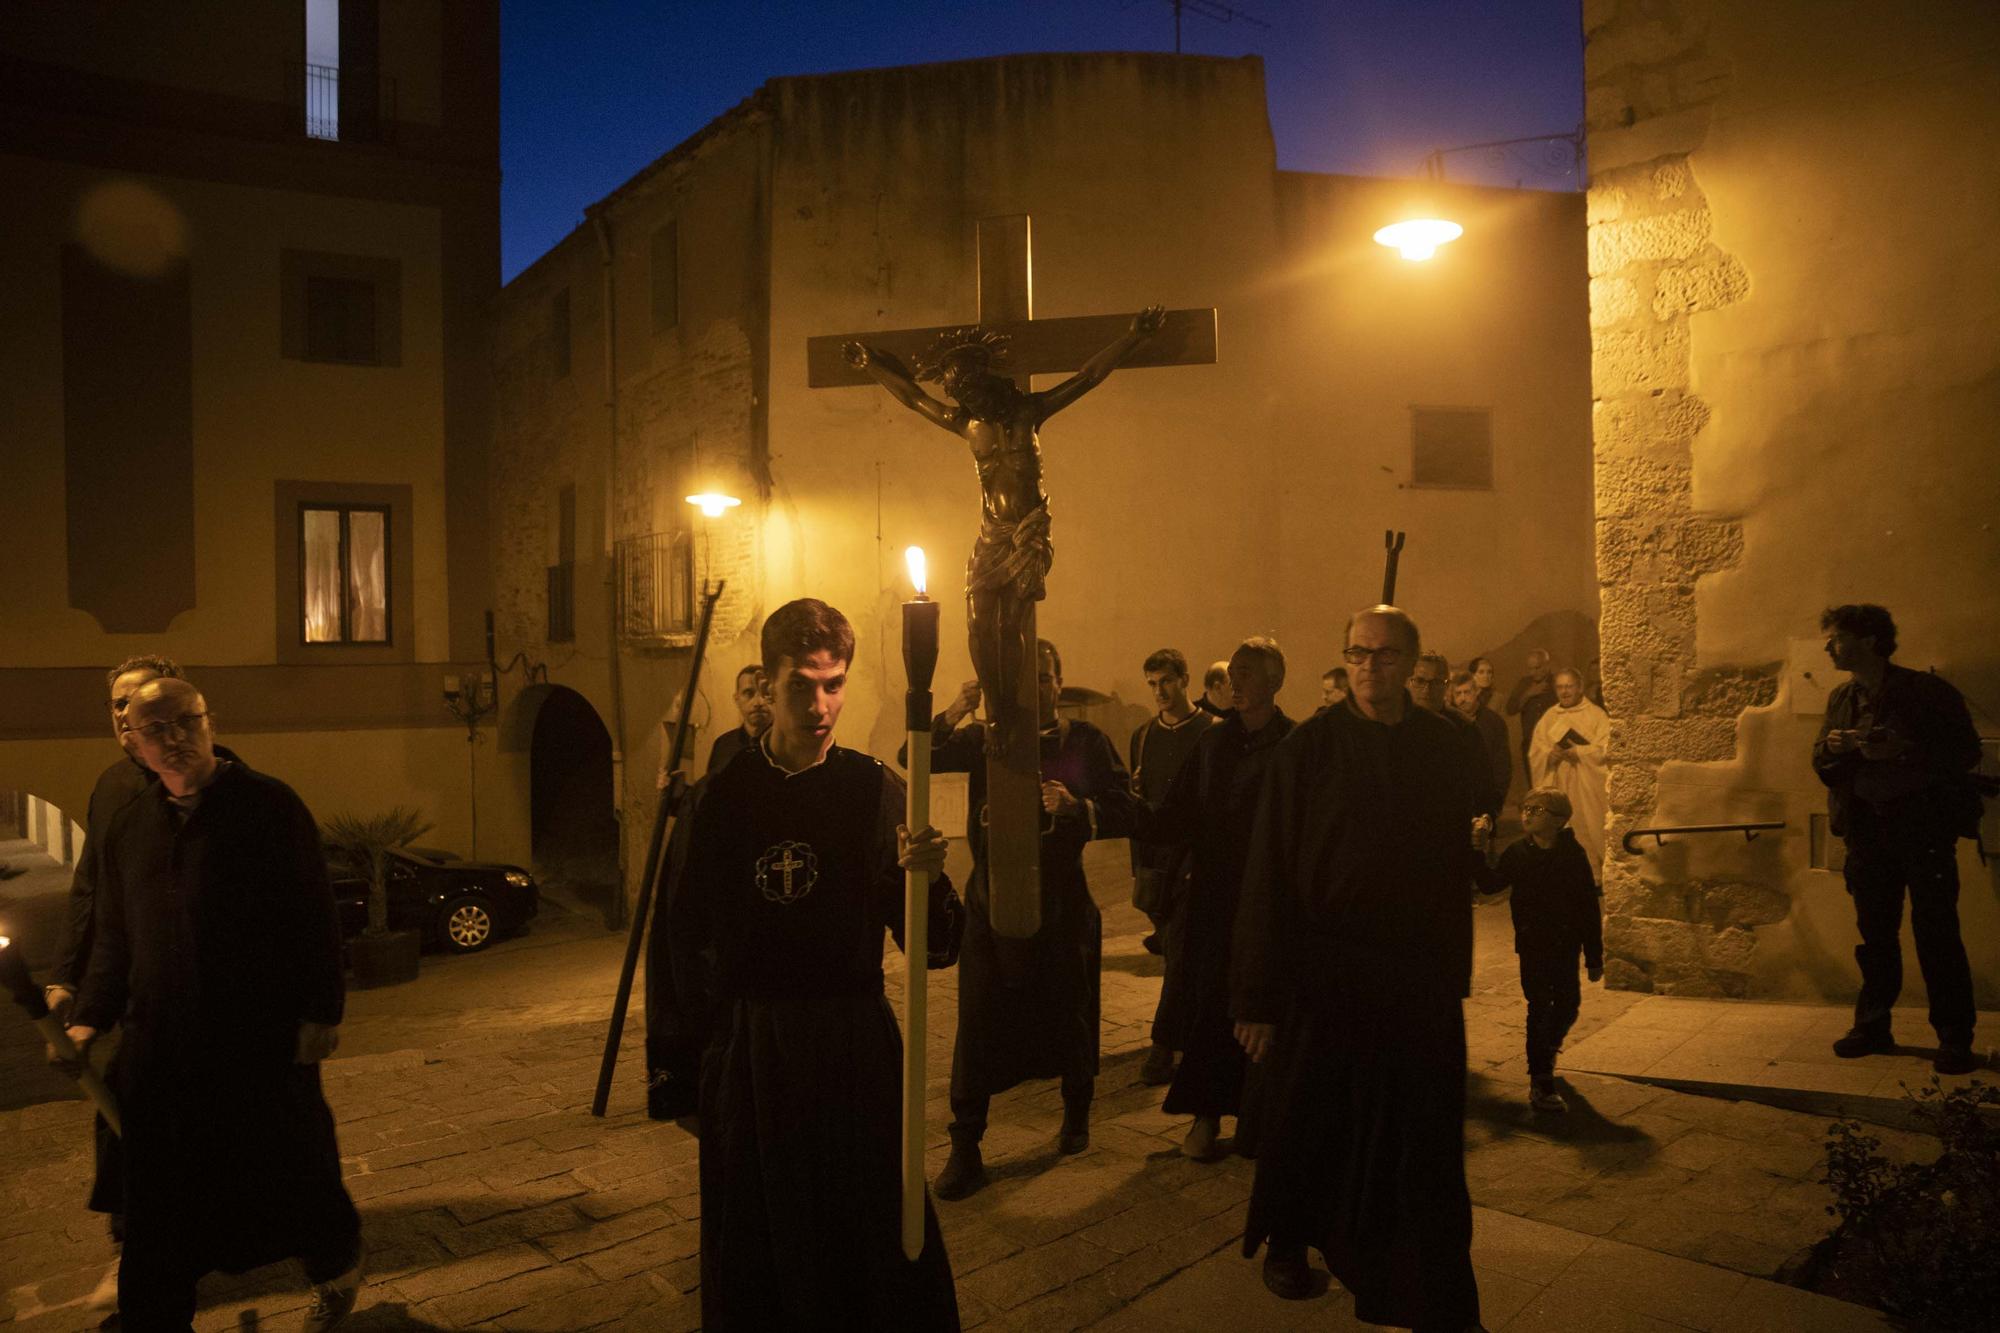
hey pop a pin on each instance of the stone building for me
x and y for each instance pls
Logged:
(660, 350)
(243, 384)
(1795, 312)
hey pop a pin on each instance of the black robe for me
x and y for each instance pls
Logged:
(679, 986)
(1028, 1009)
(790, 880)
(1354, 937)
(1158, 753)
(1210, 809)
(117, 786)
(216, 936)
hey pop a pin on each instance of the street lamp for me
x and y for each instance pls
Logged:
(1418, 238)
(713, 504)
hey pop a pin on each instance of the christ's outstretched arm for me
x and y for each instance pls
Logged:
(887, 370)
(1144, 325)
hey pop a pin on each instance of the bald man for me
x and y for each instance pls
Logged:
(1352, 954)
(218, 950)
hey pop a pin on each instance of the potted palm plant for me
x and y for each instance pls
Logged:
(379, 956)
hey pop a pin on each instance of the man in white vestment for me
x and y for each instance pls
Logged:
(1567, 752)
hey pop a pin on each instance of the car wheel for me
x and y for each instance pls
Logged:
(465, 924)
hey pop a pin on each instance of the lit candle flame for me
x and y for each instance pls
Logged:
(4, 941)
(913, 556)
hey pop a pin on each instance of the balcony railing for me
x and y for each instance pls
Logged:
(351, 104)
(656, 588)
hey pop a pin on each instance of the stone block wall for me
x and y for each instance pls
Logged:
(1653, 265)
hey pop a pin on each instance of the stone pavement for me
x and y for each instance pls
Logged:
(491, 1197)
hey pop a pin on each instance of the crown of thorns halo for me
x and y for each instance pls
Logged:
(982, 346)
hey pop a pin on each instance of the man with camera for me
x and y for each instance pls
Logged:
(1896, 752)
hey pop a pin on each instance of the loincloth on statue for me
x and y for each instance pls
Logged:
(1012, 558)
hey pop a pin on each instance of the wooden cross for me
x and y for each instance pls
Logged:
(1035, 347)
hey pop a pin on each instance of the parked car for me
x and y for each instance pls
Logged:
(457, 906)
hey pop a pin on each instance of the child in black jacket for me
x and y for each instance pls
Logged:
(1556, 914)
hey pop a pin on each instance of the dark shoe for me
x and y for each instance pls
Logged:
(1861, 1041)
(1955, 1058)
(964, 1174)
(1159, 1067)
(1151, 944)
(1544, 1096)
(1287, 1274)
(333, 1301)
(1075, 1136)
(1200, 1141)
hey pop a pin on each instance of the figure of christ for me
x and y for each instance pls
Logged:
(1011, 557)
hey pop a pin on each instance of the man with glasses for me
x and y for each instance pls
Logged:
(1352, 955)
(218, 950)
(1895, 751)
(116, 786)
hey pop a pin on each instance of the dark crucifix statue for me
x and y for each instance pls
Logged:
(1011, 557)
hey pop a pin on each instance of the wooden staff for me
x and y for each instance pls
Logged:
(920, 651)
(1392, 544)
(14, 978)
(650, 875)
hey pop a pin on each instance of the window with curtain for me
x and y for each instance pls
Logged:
(344, 567)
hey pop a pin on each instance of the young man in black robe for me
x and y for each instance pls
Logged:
(794, 868)
(1160, 747)
(218, 950)
(1028, 1009)
(752, 697)
(1209, 810)
(116, 787)
(1353, 952)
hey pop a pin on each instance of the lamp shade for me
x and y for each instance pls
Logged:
(713, 504)
(1418, 238)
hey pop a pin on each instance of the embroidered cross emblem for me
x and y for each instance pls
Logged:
(787, 872)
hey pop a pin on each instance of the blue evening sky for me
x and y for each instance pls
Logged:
(592, 91)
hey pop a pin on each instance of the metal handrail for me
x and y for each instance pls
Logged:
(1659, 835)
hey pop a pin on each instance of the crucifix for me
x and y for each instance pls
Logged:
(985, 370)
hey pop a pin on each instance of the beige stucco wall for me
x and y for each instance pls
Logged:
(334, 772)
(258, 418)
(1796, 329)
(1192, 505)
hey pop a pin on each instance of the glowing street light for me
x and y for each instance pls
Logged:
(1418, 238)
(713, 504)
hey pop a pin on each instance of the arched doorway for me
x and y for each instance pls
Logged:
(573, 826)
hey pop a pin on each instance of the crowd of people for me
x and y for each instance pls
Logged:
(1309, 883)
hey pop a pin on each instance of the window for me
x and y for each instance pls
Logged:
(1451, 447)
(562, 574)
(344, 573)
(340, 320)
(340, 309)
(666, 277)
(559, 334)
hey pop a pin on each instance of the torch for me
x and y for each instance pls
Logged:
(920, 651)
(14, 976)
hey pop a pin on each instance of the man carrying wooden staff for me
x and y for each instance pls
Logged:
(796, 863)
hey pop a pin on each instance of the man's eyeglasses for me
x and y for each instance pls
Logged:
(1387, 657)
(184, 725)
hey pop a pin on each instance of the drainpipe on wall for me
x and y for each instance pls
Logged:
(615, 915)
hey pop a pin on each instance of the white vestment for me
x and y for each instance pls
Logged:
(1582, 781)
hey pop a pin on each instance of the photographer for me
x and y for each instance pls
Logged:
(1896, 751)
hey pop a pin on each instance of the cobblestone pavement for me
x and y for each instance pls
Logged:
(490, 1196)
